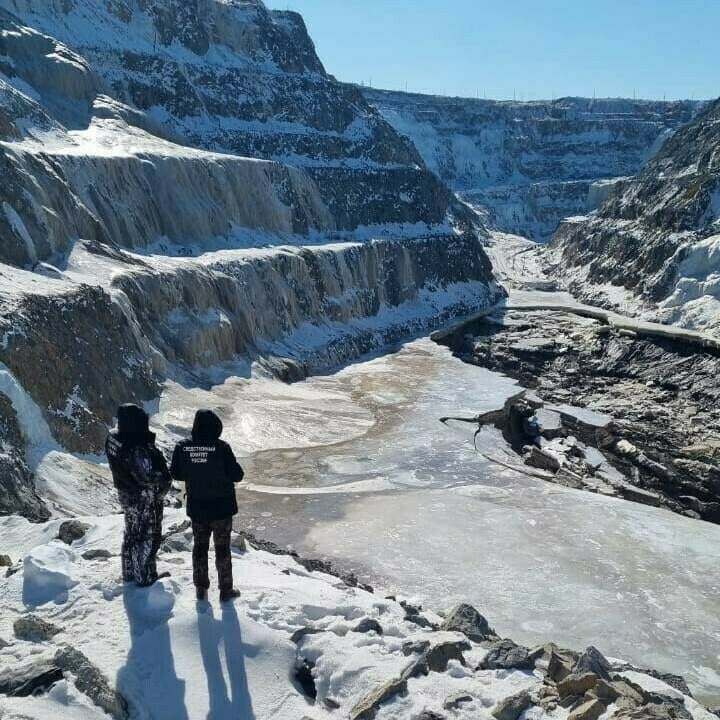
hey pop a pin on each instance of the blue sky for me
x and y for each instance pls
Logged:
(530, 48)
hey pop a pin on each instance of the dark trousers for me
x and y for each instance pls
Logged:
(220, 530)
(142, 539)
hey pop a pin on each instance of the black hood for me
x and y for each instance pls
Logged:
(133, 425)
(207, 427)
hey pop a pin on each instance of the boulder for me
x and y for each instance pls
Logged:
(90, 681)
(97, 554)
(420, 621)
(455, 701)
(23, 679)
(438, 656)
(593, 661)
(415, 647)
(505, 654)
(652, 712)
(299, 634)
(467, 620)
(605, 692)
(368, 707)
(557, 662)
(72, 530)
(577, 684)
(34, 629)
(5, 561)
(177, 543)
(367, 625)
(628, 691)
(510, 708)
(542, 460)
(429, 715)
(589, 710)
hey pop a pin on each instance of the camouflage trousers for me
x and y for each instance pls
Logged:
(220, 530)
(142, 539)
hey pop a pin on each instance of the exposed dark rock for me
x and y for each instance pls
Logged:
(437, 657)
(304, 678)
(456, 701)
(177, 543)
(368, 707)
(652, 450)
(5, 561)
(652, 712)
(640, 236)
(91, 682)
(298, 635)
(409, 608)
(429, 715)
(466, 619)
(25, 679)
(577, 684)
(505, 654)
(588, 710)
(536, 157)
(593, 661)
(72, 530)
(415, 647)
(367, 625)
(419, 620)
(17, 486)
(97, 554)
(34, 629)
(512, 707)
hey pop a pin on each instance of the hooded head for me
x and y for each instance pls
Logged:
(133, 425)
(207, 427)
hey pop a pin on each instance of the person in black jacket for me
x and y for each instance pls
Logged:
(207, 466)
(142, 480)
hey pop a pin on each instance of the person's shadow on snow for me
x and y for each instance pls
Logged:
(148, 679)
(237, 703)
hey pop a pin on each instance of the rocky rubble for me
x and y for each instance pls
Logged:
(606, 411)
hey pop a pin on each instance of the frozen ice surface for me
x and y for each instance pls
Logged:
(408, 503)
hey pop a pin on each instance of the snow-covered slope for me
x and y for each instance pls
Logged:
(300, 644)
(263, 202)
(530, 164)
(657, 236)
(229, 77)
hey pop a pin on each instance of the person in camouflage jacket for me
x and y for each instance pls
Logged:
(142, 480)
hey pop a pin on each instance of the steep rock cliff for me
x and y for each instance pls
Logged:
(657, 236)
(183, 185)
(528, 165)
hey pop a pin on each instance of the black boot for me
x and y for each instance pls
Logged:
(228, 595)
(201, 594)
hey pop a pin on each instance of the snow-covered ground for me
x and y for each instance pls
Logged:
(174, 658)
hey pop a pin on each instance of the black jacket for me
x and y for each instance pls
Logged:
(137, 466)
(207, 465)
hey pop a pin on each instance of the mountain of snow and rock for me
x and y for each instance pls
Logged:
(528, 165)
(654, 243)
(183, 184)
